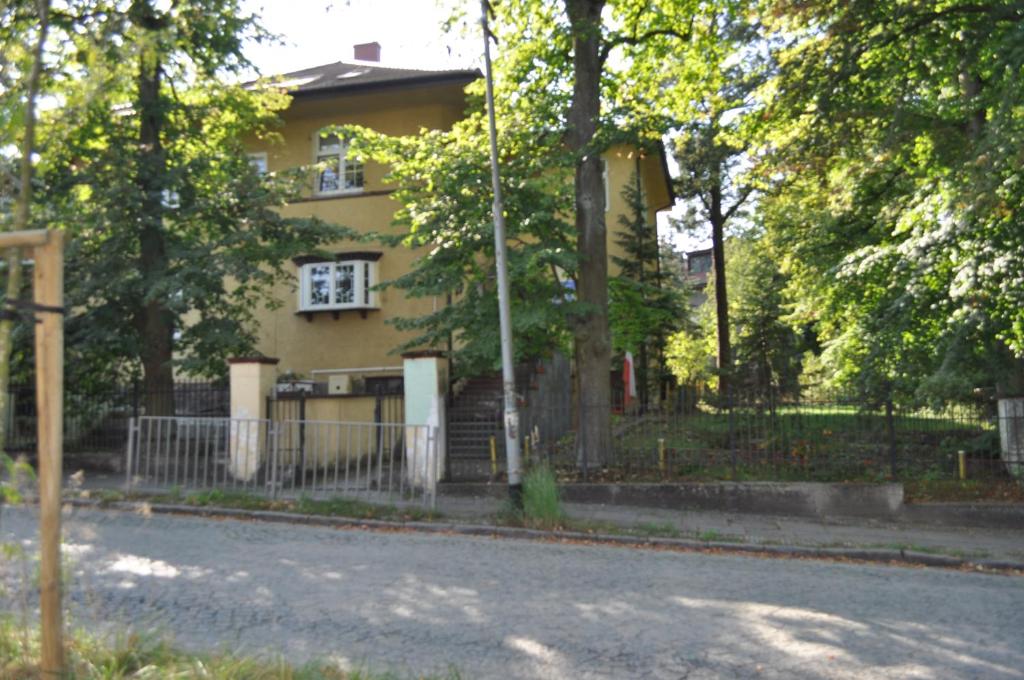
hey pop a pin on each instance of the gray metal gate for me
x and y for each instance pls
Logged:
(378, 462)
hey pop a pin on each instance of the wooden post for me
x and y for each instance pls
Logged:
(48, 287)
(961, 464)
(662, 467)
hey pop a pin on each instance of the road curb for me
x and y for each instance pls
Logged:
(878, 555)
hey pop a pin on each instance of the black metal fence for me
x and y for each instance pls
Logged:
(696, 435)
(97, 421)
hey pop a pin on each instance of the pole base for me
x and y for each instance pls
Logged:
(515, 495)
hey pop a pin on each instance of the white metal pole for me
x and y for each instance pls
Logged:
(515, 482)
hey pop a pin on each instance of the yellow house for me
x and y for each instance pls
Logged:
(330, 320)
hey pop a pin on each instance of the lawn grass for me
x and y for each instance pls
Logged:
(138, 657)
(824, 443)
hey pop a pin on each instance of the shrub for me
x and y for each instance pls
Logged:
(542, 505)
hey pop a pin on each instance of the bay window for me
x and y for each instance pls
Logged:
(345, 282)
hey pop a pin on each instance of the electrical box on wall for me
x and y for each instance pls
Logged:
(339, 384)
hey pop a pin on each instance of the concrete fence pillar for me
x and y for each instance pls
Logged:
(1011, 434)
(426, 385)
(252, 379)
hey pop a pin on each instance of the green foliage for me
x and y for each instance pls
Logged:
(443, 184)
(713, 102)
(442, 181)
(14, 474)
(690, 356)
(767, 350)
(542, 504)
(646, 303)
(895, 131)
(184, 226)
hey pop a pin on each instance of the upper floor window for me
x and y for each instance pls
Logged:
(335, 173)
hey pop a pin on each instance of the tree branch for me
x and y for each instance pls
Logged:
(642, 38)
(744, 195)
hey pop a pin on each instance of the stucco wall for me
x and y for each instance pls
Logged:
(356, 339)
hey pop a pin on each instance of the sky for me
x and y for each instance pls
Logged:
(410, 33)
(324, 31)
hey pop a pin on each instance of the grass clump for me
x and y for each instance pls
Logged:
(542, 504)
(135, 657)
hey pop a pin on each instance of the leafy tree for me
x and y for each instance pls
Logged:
(442, 181)
(559, 69)
(768, 349)
(711, 147)
(580, 75)
(690, 352)
(20, 82)
(175, 236)
(645, 301)
(897, 130)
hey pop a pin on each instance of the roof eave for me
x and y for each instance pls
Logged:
(669, 189)
(464, 78)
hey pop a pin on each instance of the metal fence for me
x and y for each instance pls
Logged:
(694, 435)
(377, 462)
(96, 421)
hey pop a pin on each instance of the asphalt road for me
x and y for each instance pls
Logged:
(493, 608)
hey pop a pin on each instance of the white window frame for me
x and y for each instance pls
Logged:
(364, 277)
(341, 153)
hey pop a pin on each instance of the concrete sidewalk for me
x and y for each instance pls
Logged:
(745, 528)
(998, 544)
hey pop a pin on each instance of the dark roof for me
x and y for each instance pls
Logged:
(341, 76)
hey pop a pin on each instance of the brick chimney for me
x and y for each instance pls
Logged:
(367, 51)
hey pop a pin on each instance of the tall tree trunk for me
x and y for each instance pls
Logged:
(593, 341)
(721, 295)
(21, 213)
(153, 320)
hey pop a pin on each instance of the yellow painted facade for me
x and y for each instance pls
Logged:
(353, 339)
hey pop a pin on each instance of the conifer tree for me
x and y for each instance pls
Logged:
(646, 304)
